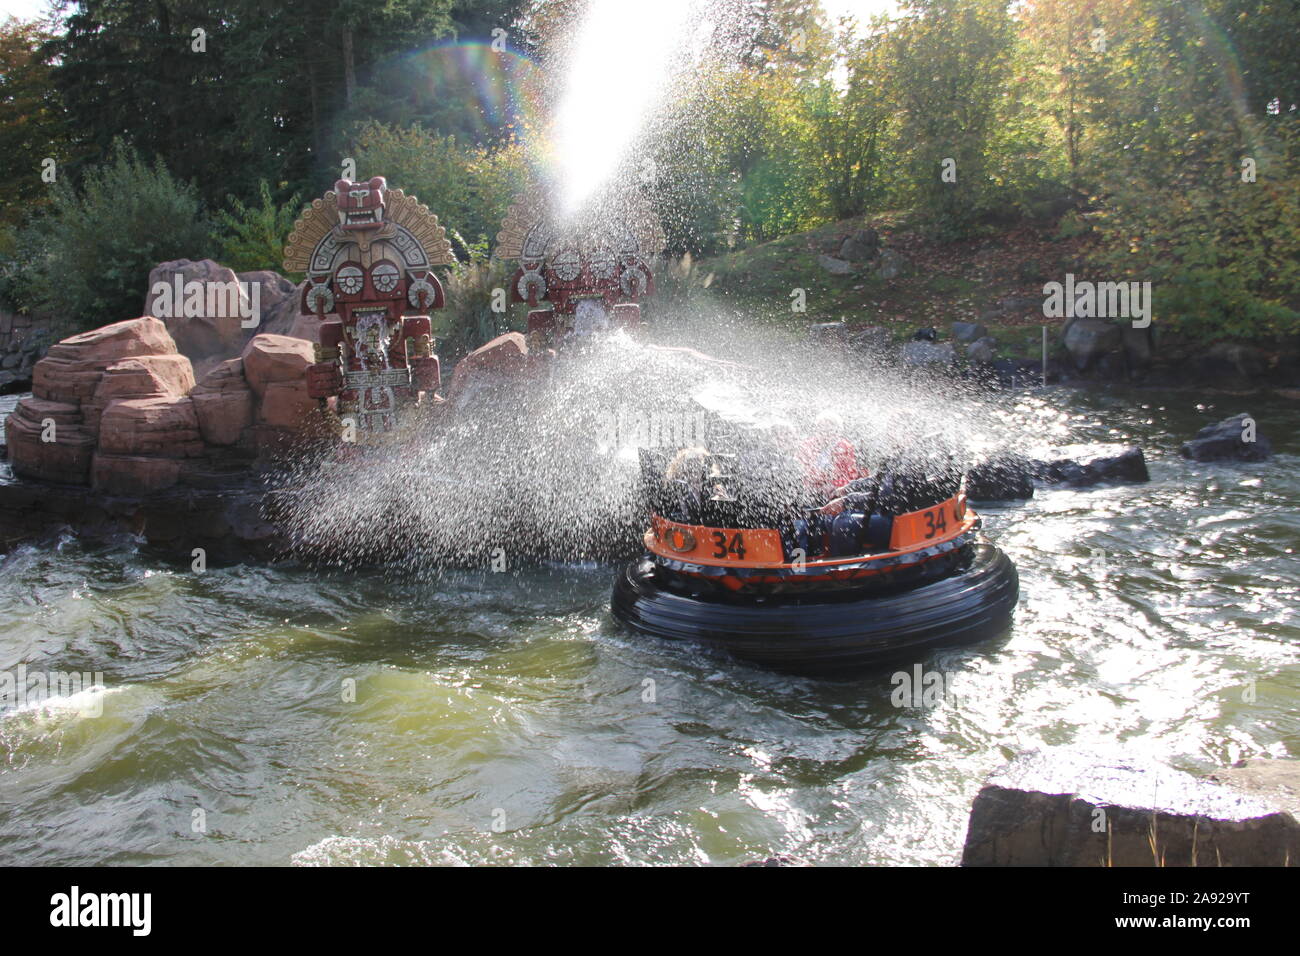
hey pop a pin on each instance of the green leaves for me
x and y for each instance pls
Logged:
(87, 261)
(252, 238)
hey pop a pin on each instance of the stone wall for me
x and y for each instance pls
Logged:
(23, 340)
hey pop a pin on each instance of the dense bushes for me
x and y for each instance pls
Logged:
(87, 260)
(252, 238)
(468, 187)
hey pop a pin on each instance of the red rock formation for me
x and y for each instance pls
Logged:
(505, 356)
(64, 386)
(275, 358)
(118, 408)
(196, 336)
(165, 426)
(145, 376)
(223, 403)
(65, 457)
(275, 367)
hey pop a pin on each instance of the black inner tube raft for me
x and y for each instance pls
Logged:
(829, 634)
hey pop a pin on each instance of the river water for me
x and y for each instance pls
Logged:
(289, 716)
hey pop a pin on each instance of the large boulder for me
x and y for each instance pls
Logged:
(928, 353)
(223, 403)
(505, 355)
(1068, 807)
(72, 368)
(65, 384)
(1129, 465)
(287, 405)
(166, 427)
(276, 358)
(1088, 340)
(218, 329)
(968, 331)
(836, 267)
(890, 264)
(860, 246)
(308, 327)
(275, 367)
(1007, 476)
(145, 376)
(109, 343)
(278, 301)
(982, 351)
(1232, 438)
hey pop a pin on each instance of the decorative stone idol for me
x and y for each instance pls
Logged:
(591, 269)
(368, 253)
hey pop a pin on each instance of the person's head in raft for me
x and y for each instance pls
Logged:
(828, 426)
(690, 465)
(829, 459)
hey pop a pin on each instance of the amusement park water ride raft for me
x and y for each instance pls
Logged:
(901, 568)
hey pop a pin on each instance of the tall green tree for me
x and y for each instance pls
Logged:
(33, 132)
(951, 64)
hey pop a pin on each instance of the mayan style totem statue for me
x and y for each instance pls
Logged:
(368, 252)
(592, 270)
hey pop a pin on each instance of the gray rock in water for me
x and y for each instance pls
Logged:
(982, 351)
(835, 266)
(1233, 438)
(1087, 340)
(12, 360)
(1069, 807)
(968, 331)
(1130, 465)
(1010, 477)
(928, 353)
(1001, 478)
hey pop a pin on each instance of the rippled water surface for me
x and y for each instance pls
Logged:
(501, 718)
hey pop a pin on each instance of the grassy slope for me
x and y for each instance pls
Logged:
(946, 282)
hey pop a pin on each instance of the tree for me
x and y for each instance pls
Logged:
(32, 131)
(851, 129)
(951, 61)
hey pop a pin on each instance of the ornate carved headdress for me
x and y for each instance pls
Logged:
(318, 236)
(622, 224)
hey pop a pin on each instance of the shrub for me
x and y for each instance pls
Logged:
(1223, 255)
(469, 188)
(87, 261)
(252, 238)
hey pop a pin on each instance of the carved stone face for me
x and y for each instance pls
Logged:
(361, 205)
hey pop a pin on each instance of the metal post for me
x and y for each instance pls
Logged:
(1044, 356)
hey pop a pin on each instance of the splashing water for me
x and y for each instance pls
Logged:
(621, 64)
(546, 465)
